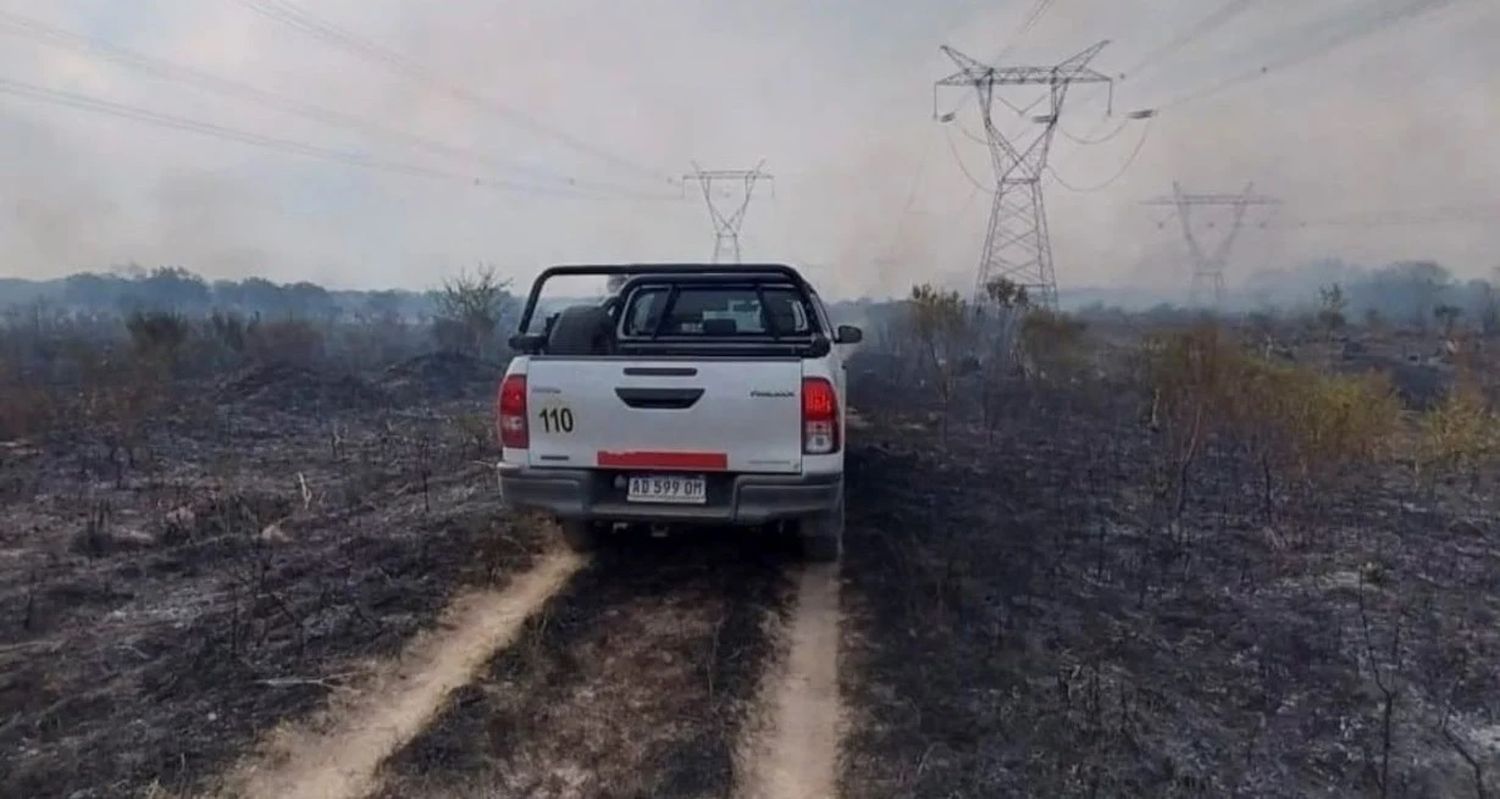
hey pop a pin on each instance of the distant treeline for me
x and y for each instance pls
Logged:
(1418, 294)
(1414, 293)
(177, 290)
(1410, 293)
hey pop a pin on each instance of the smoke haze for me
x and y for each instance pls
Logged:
(1373, 121)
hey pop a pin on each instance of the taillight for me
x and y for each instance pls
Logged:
(510, 413)
(820, 417)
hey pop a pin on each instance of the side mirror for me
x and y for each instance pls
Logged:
(849, 334)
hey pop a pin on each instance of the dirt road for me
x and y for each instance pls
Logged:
(796, 756)
(662, 668)
(637, 679)
(336, 757)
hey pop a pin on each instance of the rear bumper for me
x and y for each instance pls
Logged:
(732, 499)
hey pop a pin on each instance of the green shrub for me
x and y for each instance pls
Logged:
(940, 323)
(1294, 421)
(1461, 434)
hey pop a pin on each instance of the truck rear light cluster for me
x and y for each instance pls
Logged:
(510, 413)
(820, 417)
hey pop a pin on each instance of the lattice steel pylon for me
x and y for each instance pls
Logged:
(1209, 265)
(1017, 246)
(727, 226)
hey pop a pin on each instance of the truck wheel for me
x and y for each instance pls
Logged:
(823, 535)
(580, 535)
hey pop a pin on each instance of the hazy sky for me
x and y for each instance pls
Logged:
(1367, 111)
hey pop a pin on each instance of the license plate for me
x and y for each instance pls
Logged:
(677, 489)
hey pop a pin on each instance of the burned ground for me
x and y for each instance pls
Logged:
(162, 609)
(1025, 617)
(1037, 600)
(441, 376)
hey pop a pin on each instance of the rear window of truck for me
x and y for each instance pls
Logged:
(714, 312)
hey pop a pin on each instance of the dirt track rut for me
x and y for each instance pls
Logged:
(638, 679)
(796, 757)
(338, 757)
(683, 668)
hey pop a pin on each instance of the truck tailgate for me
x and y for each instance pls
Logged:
(666, 415)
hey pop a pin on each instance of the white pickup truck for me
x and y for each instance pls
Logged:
(691, 394)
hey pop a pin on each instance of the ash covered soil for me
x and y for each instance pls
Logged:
(163, 604)
(1024, 617)
(1023, 612)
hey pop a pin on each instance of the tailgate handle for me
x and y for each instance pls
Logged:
(660, 371)
(659, 398)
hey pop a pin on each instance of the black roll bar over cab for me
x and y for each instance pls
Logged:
(752, 276)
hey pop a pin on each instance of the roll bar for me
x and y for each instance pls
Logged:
(738, 273)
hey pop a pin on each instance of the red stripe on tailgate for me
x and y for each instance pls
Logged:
(716, 461)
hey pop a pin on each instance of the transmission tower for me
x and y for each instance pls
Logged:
(1017, 246)
(727, 225)
(1208, 265)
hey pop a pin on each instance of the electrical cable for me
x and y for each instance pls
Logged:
(1326, 40)
(1329, 39)
(1037, 12)
(1140, 145)
(911, 198)
(295, 17)
(1088, 142)
(292, 146)
(1208, 24)
(968, 201)
(961, 166)
(1400, 217)
(49, 36)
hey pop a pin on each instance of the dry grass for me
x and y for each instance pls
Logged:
(1299, 425)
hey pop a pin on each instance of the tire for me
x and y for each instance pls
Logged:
(580, 330)
(823, 535)
(579, 535)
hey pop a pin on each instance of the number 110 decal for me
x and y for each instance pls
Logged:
(557, 420)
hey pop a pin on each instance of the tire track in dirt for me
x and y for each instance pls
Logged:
(338, 755)
(796, 755)
(637, 680)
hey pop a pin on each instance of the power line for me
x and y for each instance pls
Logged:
(1327, 36)
(1129, 161)
(1204, 26)
(1088, 142)
(1208, 24)
(971, 136)
(963, 167)
(1037, 12)
(49, 36)
(899, 229)
(295, 17)
(1479, 213)
(96, 105)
